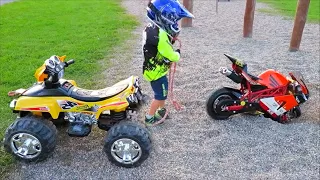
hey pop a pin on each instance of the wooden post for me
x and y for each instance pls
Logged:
(299, 22)
(217, 6)
(248, 18)
(187, 22)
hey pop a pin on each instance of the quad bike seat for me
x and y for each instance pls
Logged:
(65, 88)
(96, 95)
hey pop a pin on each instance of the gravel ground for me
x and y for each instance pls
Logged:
(191, 145)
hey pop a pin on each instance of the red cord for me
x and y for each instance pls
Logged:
(172, 71)
(171, 98)
(175, 103)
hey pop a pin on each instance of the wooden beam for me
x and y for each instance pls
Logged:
(187, 22)
(248, 18)
(299, 22)
(217, 6)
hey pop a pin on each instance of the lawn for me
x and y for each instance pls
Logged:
(32, 30)
(288, 8)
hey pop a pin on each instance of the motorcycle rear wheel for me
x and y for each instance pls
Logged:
(216, 97)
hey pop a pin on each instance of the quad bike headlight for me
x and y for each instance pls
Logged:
(13, 104)
(132, 99)
(136, 83)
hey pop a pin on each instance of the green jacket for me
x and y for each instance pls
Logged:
(158, 53)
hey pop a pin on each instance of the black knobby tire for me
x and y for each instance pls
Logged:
(220, 94)
(132, 131)
(40, 128)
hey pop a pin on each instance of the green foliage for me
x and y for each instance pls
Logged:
(288, 8)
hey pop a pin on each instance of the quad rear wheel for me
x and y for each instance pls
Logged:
(215, 103)
(127, 144)
(30, 138)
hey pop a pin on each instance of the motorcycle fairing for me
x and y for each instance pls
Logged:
(278, 105)
(272, 79)
(297, 76)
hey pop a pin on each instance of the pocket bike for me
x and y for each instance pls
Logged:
(271, 94)
(33, 136)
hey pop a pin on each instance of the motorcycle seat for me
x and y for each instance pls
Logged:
(96, 95)
(253, 77)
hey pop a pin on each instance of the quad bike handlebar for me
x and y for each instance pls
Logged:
(71, 61)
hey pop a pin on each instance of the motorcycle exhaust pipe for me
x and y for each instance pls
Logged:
(230, 74)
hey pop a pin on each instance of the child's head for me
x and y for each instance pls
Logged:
(166, 14)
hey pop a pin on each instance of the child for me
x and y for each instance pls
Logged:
(158, 38)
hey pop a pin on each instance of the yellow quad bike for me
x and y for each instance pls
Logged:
(32, 137)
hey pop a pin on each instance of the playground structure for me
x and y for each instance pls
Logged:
(187, 22)
(299, 22)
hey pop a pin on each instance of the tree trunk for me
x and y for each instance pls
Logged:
(187, 22)
(248, 18)
(299, 22)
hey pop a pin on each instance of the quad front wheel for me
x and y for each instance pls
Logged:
(215, 104)
(30, 139)
(127, 144)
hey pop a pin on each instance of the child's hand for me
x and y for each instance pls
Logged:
(166, 60)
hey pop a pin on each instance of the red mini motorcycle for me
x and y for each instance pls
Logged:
(271, 94)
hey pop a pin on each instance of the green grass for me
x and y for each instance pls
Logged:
(33, 30)
(288, 8)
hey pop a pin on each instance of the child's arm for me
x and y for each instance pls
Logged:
(165, 48)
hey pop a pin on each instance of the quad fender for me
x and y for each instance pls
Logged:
(31, 104)
(235, 92)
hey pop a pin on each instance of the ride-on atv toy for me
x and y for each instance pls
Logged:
(32, 137)
(271, 94)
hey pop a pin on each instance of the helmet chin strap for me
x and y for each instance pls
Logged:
(174, 30)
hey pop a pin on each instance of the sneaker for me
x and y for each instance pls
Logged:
(152, 120)
(160, 113)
